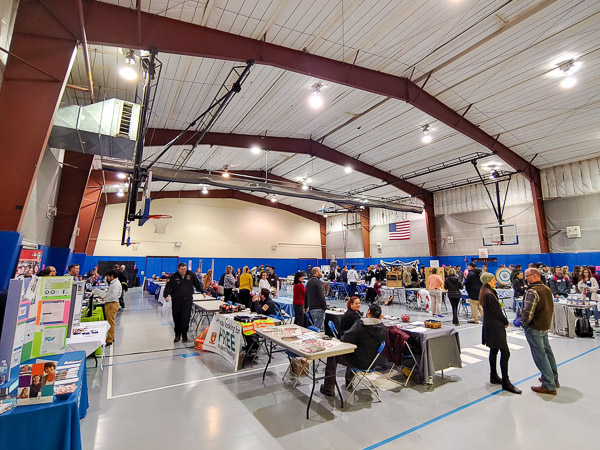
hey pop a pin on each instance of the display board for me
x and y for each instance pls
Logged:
(440, 271)
(29, 263)
(15, 326)
(224, 337)
(48, 300)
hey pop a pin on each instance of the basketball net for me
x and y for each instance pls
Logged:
(160, 223)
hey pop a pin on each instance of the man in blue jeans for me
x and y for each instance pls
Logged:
(536, 317)
(314, 298)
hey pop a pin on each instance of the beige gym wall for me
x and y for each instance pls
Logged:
(224, 228)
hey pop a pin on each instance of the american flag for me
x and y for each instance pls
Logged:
(399, 231)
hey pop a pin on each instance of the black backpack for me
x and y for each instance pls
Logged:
(583, 328)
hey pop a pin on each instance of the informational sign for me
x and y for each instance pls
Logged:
(225, 338)
(434, 263)
(49, 315)
(29, 263)
(36, 382)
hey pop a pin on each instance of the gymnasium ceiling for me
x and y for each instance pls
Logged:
(500, 57)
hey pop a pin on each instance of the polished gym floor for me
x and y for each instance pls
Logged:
(154, 394)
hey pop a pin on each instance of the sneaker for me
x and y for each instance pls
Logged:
(439, 315)
(471, 321)
(108, 344)
(326, 392)
(542, 390)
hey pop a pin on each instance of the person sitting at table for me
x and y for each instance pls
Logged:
(352, 314)
(262, 303)
(588, 286)
(367, 334)
(299, 297)
(494, 332)
(559, 284)
(264, 282)
(207, 284)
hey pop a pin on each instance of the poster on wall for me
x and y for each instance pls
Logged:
(29, 263)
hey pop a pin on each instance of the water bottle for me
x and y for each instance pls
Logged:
(3, 370)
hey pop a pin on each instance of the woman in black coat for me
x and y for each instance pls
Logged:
(351, 316)
(453, 286)
(494, 332)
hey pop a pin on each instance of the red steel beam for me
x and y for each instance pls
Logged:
(73, 180)
(91, 244)
(365, 228)
(88, 209)
(28, 102)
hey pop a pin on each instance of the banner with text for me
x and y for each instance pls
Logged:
(225, 338)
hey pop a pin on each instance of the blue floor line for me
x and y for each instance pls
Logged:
(467, 405)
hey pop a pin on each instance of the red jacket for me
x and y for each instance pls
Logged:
(299, 291)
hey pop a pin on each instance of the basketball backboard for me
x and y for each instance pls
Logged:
(500, 235)
(144, 204)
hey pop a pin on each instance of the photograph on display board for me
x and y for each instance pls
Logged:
(29, 263)
(36, 383)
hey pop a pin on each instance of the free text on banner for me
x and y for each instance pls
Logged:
(224, 337)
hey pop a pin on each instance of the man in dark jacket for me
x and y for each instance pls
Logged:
(180, 288)
(473, 286)
(314, 299)
(559, 284)
(122, 277)
(262, 303)
(367, 334)
(536, 317)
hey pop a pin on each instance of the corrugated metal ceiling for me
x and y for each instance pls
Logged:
(497, 56)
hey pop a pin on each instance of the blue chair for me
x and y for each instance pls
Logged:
(333, 330)
(360, 375)
(307, 319)
(313, 328)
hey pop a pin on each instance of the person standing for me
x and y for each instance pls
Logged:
(460, 274)
(228, 283)
(245, 288)
(494, 332)
(180, 288)
(299, 298)
(123, 281)
(315, 299)
(264, 282)
(435, 292)
(73, 270)
(274, 281)
(588, 286)
(111, 303)
(453, 286)
(353, 280)
(406, 277)
(536, 317)
(473, 286)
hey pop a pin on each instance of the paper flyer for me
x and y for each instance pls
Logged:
(36, 383)
(56, 288)
(53, 340)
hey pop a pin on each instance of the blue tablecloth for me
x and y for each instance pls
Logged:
(151, 286)
(286, 304)
(52, 426)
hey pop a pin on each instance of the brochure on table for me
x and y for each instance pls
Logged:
(224, 337)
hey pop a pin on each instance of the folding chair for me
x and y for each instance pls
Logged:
(465, 307)
(411, 359)
(307, 319)
(361, 376)
(280, 314)
(333, 330)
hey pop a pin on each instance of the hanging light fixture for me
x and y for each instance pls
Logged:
(348, 169)
(567, 69)
(204, 190)
(120, 193)
(226, 173)
(315, 100)
(130, 58)
(255, 149)
(273, 199)
(427, 138)
(121, 175)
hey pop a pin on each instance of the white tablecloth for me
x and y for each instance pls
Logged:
(89, 342)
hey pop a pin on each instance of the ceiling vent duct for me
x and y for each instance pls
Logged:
(107, 128)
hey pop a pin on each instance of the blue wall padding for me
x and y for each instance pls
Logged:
(10, 249)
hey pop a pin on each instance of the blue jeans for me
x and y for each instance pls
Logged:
(543, 356)
(318, 318)
(595, 309)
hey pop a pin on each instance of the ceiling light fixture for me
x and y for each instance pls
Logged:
(226, 173)
(128, 73)
(304, 187)
(129, 58)
(348, 169)
(315, 100)
(567, 69)
(255, 149)
(427, 138)
(121, 175)
(120, 193)
(494, 174)
(204, 190)
(325, 215)
(273, 199)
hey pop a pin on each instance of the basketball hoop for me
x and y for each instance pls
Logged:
(160, 223)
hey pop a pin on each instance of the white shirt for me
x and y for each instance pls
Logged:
(353, 276)
(264, 284)
(114, 291)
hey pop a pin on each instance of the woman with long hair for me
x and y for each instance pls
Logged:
(298, 299)
(575, 275)
(208, 279)
(351, 316)
(229, 283)
(245, 283)
(453, 286)
(494, 332)
(588, 286)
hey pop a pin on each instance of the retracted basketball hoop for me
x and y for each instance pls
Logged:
(160, 222)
